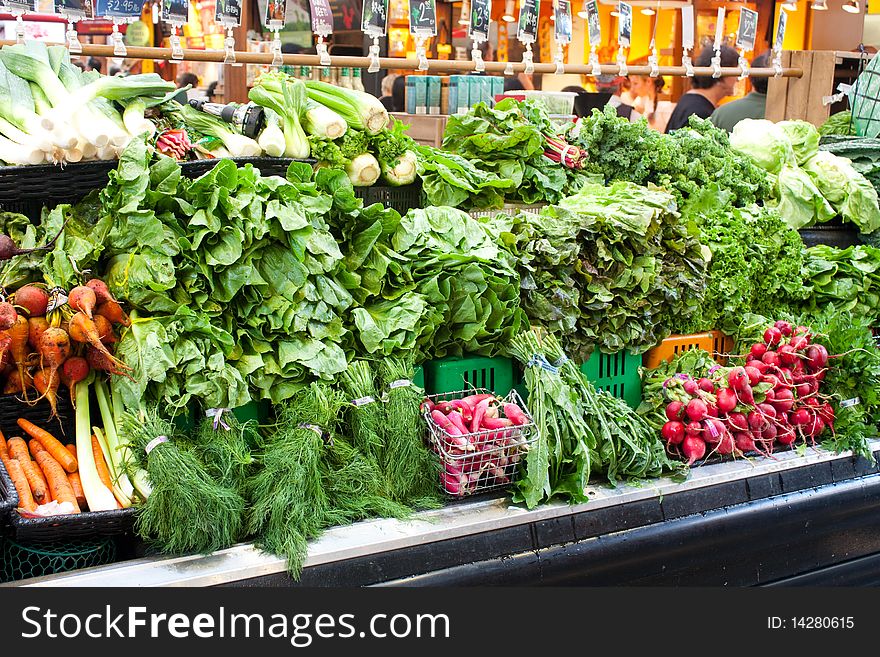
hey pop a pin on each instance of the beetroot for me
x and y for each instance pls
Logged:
(673, 432)
(693, 448)
(8, 316)
(33, 299)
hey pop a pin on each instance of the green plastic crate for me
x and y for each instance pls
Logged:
(257, 410)
(617, 373)
(419, 378)
(453, 374)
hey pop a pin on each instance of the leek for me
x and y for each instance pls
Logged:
(98, 496)
(238, 145)
(271, 138)
(134, 120)
(295, 100)
(359, 109)
(269, 94)
(13, 153)
(323, 122)
(119, 467)
(363, 170)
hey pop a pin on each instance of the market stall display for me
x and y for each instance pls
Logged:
(234, 285)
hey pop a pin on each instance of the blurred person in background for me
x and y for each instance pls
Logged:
(613, 84)
(385, 89)
(93, 64)
(752, 106)
(707, 92)
(398, 94)
(211, 92)
(643, 94)
(183, 80)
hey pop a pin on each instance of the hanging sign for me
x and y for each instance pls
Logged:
(562, 27)
(275, 12)
(748, 29)
(374, 19)
(322, 17)
(594, 26)
(22, 6)
(478, 29)
(175, 11)
(719, 29)
(527, 30)
(228, 13)
(624, 23)
(119, 9)
(687, 39)
(780, 31)
(423, 18)
(73, 11)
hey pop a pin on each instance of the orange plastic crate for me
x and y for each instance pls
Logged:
(675, 344)
(721, 345)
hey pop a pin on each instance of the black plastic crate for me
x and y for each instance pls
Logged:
(403, 198)
(8, 499)
(13, 407)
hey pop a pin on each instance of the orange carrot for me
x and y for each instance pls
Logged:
(4, 453)
(46, 383)
(113, 311)
(51, 443)
(18, 345)
(76, 482)
(100, 463)
(39, 486)
(19, 480)
(59, 485)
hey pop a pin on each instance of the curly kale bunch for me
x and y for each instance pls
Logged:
(682, 162)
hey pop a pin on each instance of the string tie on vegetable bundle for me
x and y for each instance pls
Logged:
(540, 360)
(323, 435)
(362, 401)
(399, 383)
(155, 442)
(217, 414)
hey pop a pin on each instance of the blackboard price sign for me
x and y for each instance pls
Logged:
(481, 11)
(119, 8)
(322, 17)
(374, 21)
(528, 21)
(562, 27)
(175, 11)
(74, 9)
(423, 18)
(228, 13)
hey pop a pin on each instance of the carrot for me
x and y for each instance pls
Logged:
(59, 485)
(113, 311)
(82, 299)
(19, 480)
(51, 443)
(18, 345)
(76, 482)
(39, 486)
(4, 453)
(36, 327)
(101, 463)
(13, 383)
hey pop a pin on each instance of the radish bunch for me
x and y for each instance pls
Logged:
(774, 398)
(480, 439)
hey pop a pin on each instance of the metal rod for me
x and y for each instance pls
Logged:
(434, 65)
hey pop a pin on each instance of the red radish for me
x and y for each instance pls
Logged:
(8, 316)
(815, 427)
(738, 421)
(784, 400)
(693, 448)
(820, 375)
(786, 436)
(771, 358)
(74, 370)
(82, 329)
(803, 390)
(744, 442)
(715, 429)
(756, 421)
(467, 413)
(706, 385)
(826, 412)
(725, 445)
(811, 401)
(479, 412)
(674, 410)
(758, 350)
(673, 432)
(516, 414)
(772, 379)
(726, 400)
(760, 365)
(693, 429)
(801, 416)
(737, 378)
(784, 327)
(102, 292)
(454, 485)
(496, 423)
(769, 432)
(113, 312)
(427, 405)
(787, 355)
(767, 410)
(799, 342)
(458, 421)
(747, 396)
(696, 409)
(33, 299)
(471, 401)
(817, 356)
(772, 336)
(691, 387)
(82, 299)
(754, 375)
(770, 396)
(444, 423)
(711, 411)
(798, 367)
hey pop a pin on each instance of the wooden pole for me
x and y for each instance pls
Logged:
(434, 66)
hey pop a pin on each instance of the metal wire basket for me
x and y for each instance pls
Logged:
(483, 460)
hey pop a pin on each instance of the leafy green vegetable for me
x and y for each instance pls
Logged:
(847, 279)
(851, 193)
(839, 123)
(803, 137)
(765, 142)
(799, 201)
(449, 179)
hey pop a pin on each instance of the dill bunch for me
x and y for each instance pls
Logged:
(411, 469)
(227, 453)
(187, 509)
(365, 415)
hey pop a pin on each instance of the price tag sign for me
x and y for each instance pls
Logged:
(481, 10)
(687, 27)
(175, 11)
(780, 31)
(374, 19)
(228, 13)
(527, 30)
(748, 29)
(594, 27)
(322, 17)
(562, 13)
(130, 9)
(74, 9)
(275, 11)
(19, 5)
(624, 23)
(423, 18)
